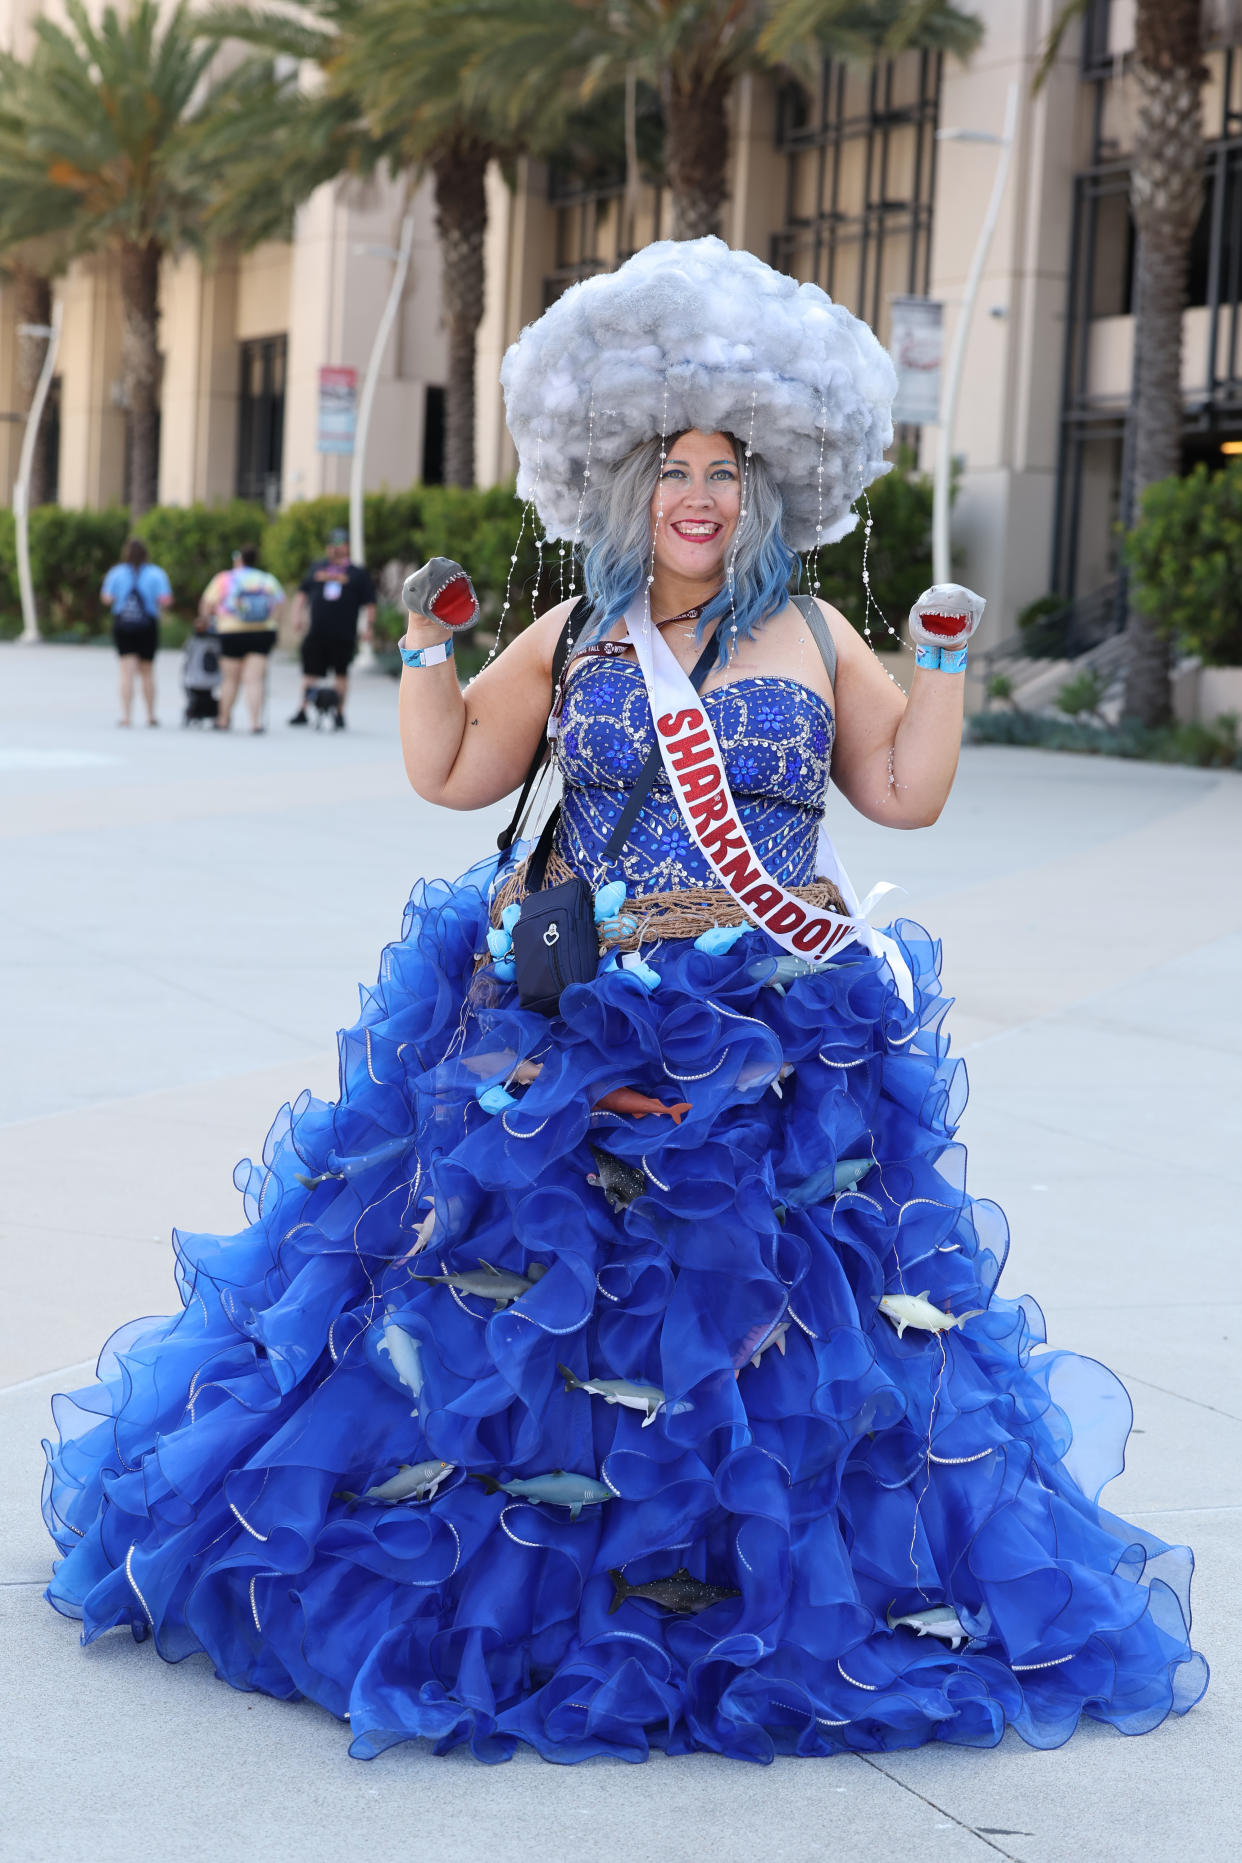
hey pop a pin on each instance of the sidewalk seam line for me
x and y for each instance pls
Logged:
(933, 1806)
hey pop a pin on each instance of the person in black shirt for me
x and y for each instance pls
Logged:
(340, 597)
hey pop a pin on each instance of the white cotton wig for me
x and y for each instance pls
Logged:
(689, 334)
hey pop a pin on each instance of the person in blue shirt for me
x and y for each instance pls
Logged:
(136, 590)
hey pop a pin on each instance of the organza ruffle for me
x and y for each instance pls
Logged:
(833, 1475)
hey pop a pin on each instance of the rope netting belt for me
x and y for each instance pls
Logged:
(685, 912)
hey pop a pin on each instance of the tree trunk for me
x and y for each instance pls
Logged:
(140, 368)
(1166, 194)
(32, 296)
(696, 151)
(461, 222)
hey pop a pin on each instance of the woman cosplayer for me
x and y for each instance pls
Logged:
(620, 1363)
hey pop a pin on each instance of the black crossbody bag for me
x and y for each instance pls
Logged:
(555, 939)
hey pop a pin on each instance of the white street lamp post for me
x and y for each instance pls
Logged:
(357, 465)
(941, 565)
(21, 489)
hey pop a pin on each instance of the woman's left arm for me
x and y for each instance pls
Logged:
(894, 757)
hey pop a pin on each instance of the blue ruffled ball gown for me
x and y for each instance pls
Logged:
(509, 1418)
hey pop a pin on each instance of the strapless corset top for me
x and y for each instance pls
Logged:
(775, 735)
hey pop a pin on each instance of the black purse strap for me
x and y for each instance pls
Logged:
(575, 620)
(537, 865)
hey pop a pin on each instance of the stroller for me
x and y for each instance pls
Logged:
(200, 679)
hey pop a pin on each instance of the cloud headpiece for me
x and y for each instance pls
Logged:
(685, 334)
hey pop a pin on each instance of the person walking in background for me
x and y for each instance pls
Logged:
(340, 596)
(243, 604)
(136, 590)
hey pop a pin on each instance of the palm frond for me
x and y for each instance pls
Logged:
(1070, 11)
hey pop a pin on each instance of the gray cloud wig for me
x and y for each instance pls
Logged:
(691, 334)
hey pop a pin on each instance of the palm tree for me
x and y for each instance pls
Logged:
(520, 52)
(29, 268)
(356, 120)
(114, 139)
(1166, 195)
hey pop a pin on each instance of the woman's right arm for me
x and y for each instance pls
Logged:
(463, 750)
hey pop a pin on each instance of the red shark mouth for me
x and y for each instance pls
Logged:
(455, 604)
(948, 627)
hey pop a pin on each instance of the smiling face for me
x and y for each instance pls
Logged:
(695, 507)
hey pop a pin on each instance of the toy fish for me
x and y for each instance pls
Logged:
(498, 1284)
(941, 1620)
(629, 1100)
(829, 1182)
(775, 1336)
(784, 970)
(648, 1397)
(720, 939)
(916, 1310)
(620, 1182)
(413, 1481)
(405, 1356)
(679, 1593)
(524, 1073)
(609, 901)
(560, 1488)
(339, 1166)
(423, 1234)
(368, 1160)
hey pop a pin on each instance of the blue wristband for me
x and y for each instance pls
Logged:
(941, 659)
(427, 656)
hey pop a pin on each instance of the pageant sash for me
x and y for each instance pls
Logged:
(696, 771)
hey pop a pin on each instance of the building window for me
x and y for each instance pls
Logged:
(433, 437)
(1094, 485)
(860, 162)
(261, 420)
(594, 232)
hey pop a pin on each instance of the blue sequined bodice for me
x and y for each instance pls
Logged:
(776, 739)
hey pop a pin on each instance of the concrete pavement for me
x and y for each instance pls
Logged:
(186, 916)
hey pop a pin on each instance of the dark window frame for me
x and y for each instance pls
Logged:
(261, 418)
(1215, 413)
(820, 123)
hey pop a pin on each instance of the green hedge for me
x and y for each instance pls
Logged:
(70, 554)
(193, 542)
(1184, 554)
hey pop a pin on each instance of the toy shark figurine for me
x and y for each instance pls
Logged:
(645, 1397)
(488, 1283)
(405, 1356)
(679, 1593)
(940, 1620)
(561, 1488)
(916, 1310)
(620, 1182)
(413, 1481)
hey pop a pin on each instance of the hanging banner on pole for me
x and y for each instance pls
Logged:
(917, 347)
(338, 404)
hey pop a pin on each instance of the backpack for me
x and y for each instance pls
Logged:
(132, 611)
(252, 605)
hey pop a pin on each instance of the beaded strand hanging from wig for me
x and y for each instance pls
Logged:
(745, 475)
(529, 510)
(659, 516)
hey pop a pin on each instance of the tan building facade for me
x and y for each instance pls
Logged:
(850, 186)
